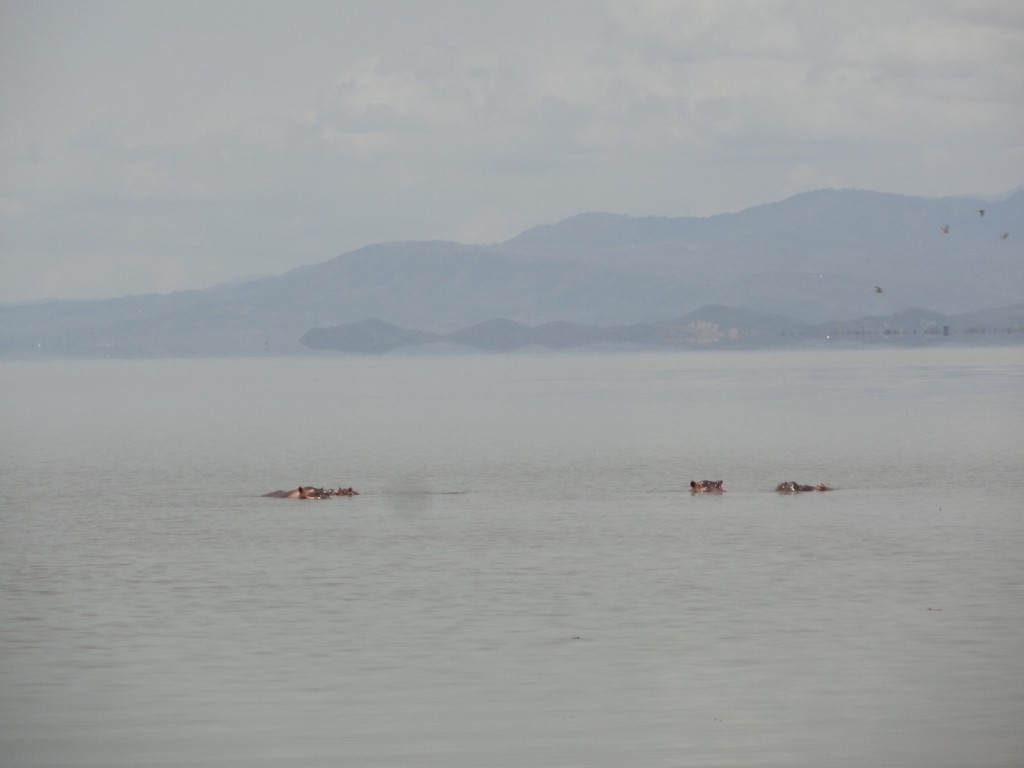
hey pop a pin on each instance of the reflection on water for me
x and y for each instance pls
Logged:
(525, 579)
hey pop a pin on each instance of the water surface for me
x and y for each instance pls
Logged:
(525, 579)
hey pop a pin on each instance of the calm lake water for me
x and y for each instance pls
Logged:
(525, 579)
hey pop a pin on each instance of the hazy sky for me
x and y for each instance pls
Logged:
(153, 146)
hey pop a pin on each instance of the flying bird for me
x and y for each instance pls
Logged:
(945, 229)
(878, 289)
(981, 212)
(1004, 235)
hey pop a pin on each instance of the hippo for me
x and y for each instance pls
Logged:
(706, 486)
(309, 492)
(302, 492)
(791, 486)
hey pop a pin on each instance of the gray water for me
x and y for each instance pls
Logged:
(525, 579)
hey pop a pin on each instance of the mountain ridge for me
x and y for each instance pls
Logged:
(710, 327)
(814, 257)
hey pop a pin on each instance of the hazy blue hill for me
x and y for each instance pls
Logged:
(444, 286)
(815, 257)
(370, 336)
(707, 326)
(804, 233)
(498, 335)
(711, 327)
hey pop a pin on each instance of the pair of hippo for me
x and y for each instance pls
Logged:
(309, 492)
(790, 486)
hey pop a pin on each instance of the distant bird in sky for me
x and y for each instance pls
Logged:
(981, 212)
(1004, 235)
(945, 229)
(878, 289)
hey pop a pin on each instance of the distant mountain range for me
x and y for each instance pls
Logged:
(709, 327)
(792, 267)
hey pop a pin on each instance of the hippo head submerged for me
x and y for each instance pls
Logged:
(791, 486)
(311, 492)
(706, 486)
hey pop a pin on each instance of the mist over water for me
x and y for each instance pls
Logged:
(525, 578)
